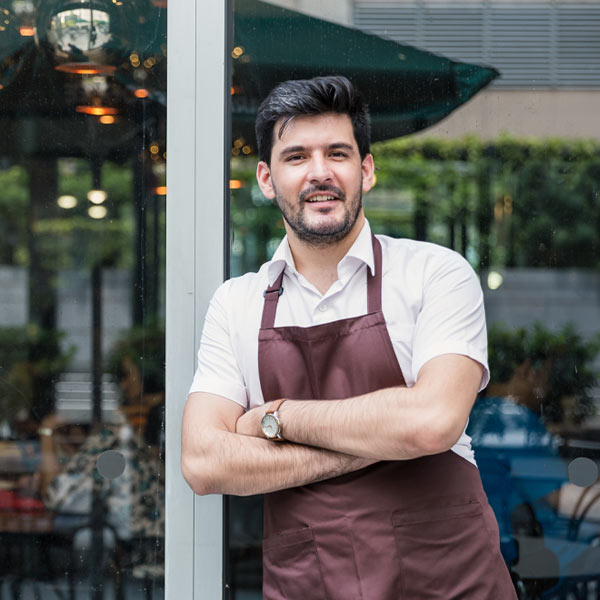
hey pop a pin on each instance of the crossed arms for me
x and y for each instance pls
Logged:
(224, 452)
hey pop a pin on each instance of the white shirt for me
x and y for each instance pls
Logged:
(431, 300)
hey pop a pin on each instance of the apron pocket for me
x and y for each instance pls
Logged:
(444, 552)
(291, 568)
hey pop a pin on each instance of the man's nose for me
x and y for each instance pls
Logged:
(320, 171)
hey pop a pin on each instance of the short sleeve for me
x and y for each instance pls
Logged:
(452, 315)
(218, 371)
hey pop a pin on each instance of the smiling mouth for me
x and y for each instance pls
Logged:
(323, 198)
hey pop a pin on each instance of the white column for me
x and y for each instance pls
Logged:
(196, 117)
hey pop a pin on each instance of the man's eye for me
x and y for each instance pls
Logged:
(294, 158)
(339, 154)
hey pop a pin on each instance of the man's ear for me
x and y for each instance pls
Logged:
(265, 183)
(368, 169)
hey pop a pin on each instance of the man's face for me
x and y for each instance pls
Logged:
(317, 178)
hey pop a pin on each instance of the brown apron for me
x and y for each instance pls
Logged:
(414, 529)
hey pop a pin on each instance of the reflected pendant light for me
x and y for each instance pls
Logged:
(98, 96)
(87, 37)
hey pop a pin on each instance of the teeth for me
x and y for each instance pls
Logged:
(321, 198)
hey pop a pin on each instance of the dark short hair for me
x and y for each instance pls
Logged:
(316, 96)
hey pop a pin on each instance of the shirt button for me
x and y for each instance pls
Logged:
(323, 307)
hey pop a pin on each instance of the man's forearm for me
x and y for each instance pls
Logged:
(359, 425)
(381, 425)
(389, 424)
(229, 463)
(49, 467)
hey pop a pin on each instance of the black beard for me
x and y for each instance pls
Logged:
(322, 237)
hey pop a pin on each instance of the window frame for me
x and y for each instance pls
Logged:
(197, 225)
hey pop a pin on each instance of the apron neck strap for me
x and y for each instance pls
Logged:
(272, 293)
(374, 281)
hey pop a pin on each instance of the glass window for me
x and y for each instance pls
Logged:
(82, 238)
(504, 182)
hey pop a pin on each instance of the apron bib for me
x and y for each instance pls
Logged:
(416, 529)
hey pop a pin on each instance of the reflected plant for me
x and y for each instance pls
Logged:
(144, 346)
(256, 223)
(31, 361)
(13, 211)
(572, 372)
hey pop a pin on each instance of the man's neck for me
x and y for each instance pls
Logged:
(318, 264)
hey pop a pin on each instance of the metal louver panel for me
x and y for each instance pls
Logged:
(520, 43)
(578, 44)
(396, 22)
(447, 30)
(532, 43)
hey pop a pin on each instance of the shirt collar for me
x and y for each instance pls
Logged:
(282, 258)
(362, 249)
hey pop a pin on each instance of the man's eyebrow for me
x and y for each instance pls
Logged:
(299, 148)
(292, 149)
(343, 145)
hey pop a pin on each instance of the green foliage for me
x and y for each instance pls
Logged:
(540, 198)
(31, 360)
(76, 242)
(144, 346)
(571, 361)
(13, 214)
(256, 223)
(67, 238)
(72, 239)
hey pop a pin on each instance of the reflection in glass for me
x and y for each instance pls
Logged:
(538, 262)
(525, 214)
(82, 300)
(87, 37)
(526, 432)
(79, 29)
(11, 46)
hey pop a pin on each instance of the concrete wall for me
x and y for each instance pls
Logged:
(554, 297)
(337, 11)
(525, 113)
(74, 309)
(14, 296)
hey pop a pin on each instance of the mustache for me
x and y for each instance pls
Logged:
(336, 191)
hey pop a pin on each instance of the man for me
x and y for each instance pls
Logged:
(374, 493)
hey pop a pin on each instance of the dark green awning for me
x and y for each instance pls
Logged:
(407, 89)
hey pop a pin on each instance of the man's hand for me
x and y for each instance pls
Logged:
(250, 422)
(225, 452)
(391, 424)
(217, 459)
(51, 422)
(49, 467)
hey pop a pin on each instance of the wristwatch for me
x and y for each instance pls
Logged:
(271, 423)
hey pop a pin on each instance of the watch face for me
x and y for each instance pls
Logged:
(270, 426)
